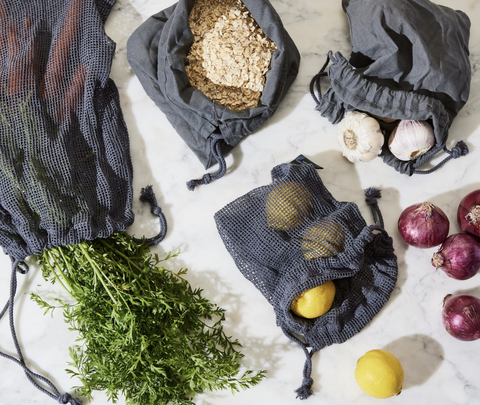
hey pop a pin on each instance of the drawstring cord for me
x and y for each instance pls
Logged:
(372, 195)
(207, 178)
(21, 267)
(305, 390)
(460, 149)
(315, 82)
(147, 195)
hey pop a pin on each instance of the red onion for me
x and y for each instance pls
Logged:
(459, 256)
(423, 225)
(468, 214)
(461, 316)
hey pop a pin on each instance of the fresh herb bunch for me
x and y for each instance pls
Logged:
(144, 332)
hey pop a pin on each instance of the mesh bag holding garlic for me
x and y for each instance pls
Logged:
(406, 79)
(296, 244)
(217, 69)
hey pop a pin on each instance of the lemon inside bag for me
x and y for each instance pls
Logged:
(325, 238)
(288, 205)
(314, 302)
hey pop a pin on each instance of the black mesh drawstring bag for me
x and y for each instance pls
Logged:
(65, 167)
(157, 52)
(409, 60)
(291, 236)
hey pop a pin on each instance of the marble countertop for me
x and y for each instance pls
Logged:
(438, 369)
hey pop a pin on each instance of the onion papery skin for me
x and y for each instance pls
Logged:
(461, 316)
(468, 213)
(458, 257)
(423, 225)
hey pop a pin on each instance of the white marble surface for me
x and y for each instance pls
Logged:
(438, 369)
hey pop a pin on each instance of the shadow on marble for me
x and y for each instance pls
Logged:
(469, 291)
(145, 223)
(259, 353)
(420, 355)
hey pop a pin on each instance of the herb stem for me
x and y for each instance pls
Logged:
(128, 259)
(98, 272)
(52, 269)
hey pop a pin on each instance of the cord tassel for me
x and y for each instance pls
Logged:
(305, 390)
(217, 154)
(372, 195)
(147, 195)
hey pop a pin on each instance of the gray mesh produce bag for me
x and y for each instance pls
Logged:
(409, 60)
(157, 52)
(268, 233)
(65, 167)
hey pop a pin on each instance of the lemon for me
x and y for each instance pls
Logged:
(288, 205)
(314, 302)
(379, 374)
(323, 239)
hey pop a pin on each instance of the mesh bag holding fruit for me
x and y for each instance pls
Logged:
(322, 268)
(409, 69)
(217, 69)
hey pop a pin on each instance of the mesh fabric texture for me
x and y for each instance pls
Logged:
(330, 241)
(409, 60)
(65, 167)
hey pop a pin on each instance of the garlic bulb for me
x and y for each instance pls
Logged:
(360, 137)
(411, 139)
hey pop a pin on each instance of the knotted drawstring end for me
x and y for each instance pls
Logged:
(147, 195)
(206, 179)
(372, 194)
(67, 398)
(305, 390)
(216, 150)
(460, 149)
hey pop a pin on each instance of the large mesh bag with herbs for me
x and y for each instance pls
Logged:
(217, 69)
(65, 167)
(292, 236)
(66, 172)
(409, 61)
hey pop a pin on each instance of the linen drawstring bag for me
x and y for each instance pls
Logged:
(65, 167)
(409, 61)
(157, 52)
(291, 236)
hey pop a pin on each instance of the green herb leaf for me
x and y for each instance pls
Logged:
(143, 331)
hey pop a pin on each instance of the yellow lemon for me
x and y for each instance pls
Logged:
(323, 239)
(379, 374)
(314, 302)
(288, 205)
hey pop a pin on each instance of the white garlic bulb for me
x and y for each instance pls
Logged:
(411, 139)
(360, 137)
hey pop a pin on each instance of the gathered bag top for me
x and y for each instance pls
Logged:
(409, 61)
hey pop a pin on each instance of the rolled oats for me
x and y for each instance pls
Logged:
(230, 53)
